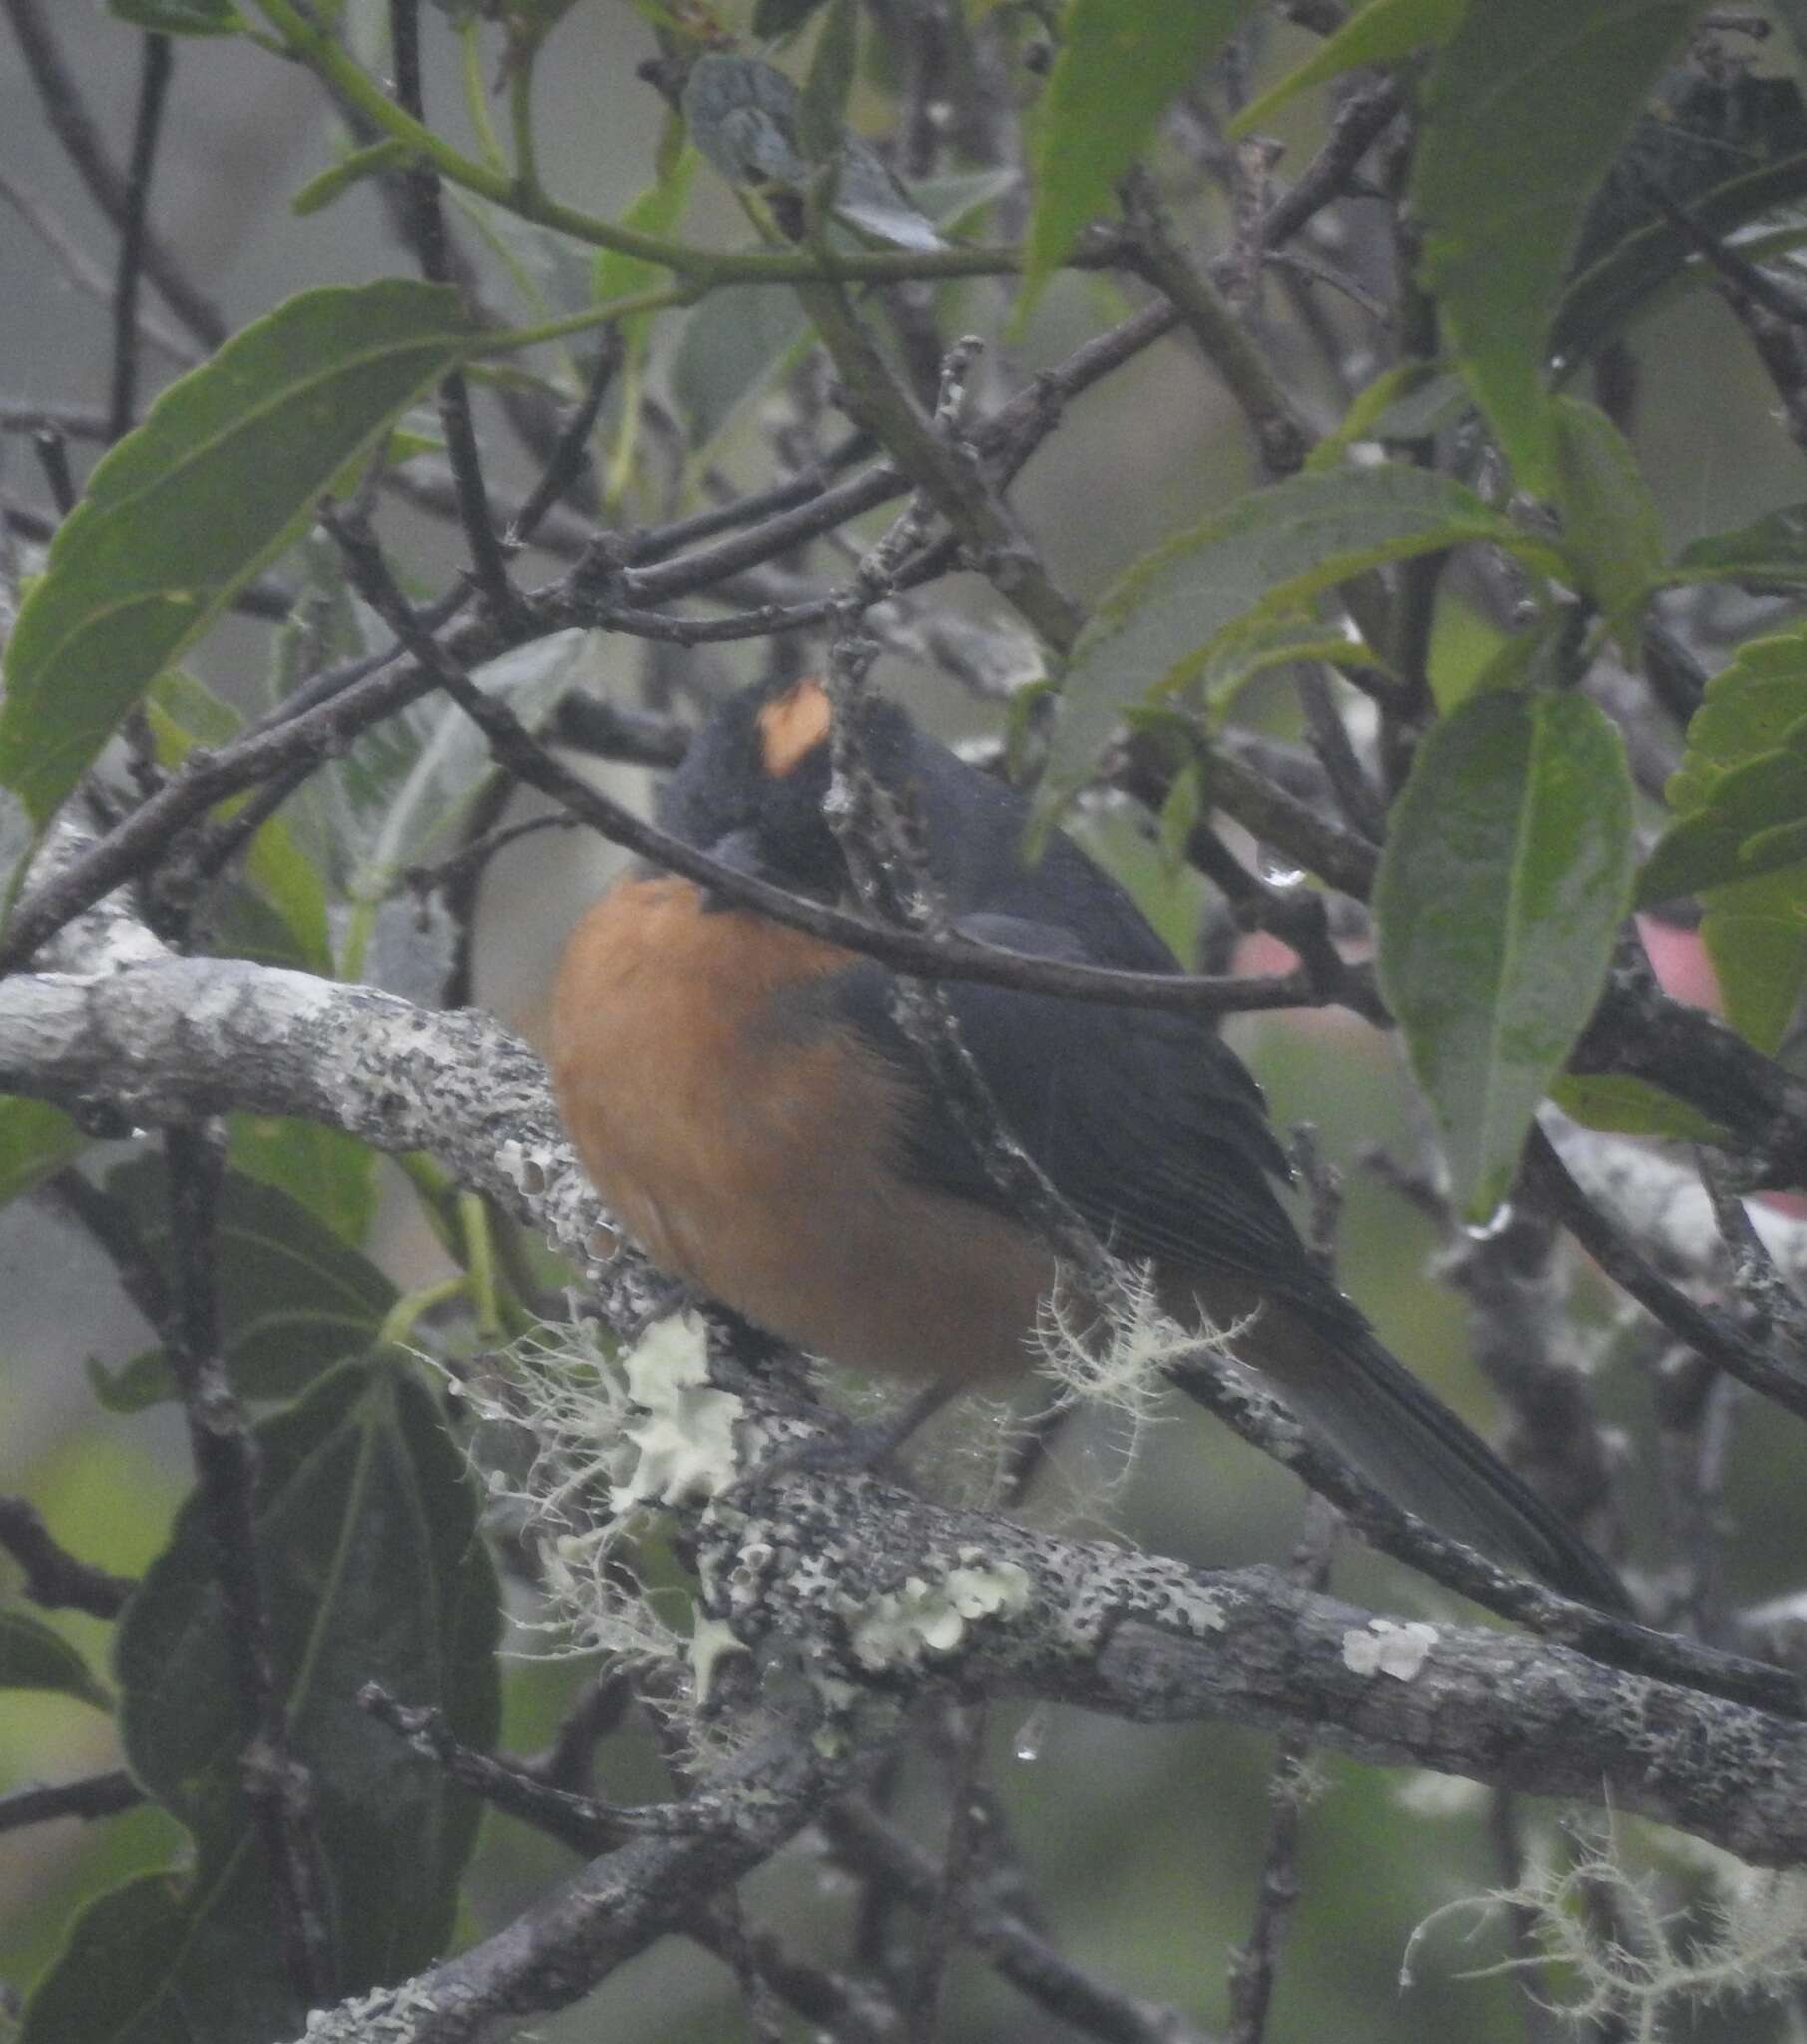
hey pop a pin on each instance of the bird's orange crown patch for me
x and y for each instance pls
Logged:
(791, 726)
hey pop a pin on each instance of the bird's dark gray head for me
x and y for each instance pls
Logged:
(750, 789)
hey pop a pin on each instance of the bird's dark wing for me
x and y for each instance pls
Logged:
(1144, 1118)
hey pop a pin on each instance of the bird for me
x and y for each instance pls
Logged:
(749, 1109)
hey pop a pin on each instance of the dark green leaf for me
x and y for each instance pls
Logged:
(367, 1539)
(953, 200)
(332, 1174)
(659, 210)
(35, 1139)
(407, 788)
(121, 1940)
(1780, 845)
(1610, 525)
(1271, 552)
(1774, 549)
(1180, 815)
(1730, 145)
(1749, 707)
(1379, 33)
(1630, 1107)
(1753, 712)
(1407, 402)
(1744, 829)
(187, 509)
(747, 118)
(180, 17)
(1506, 875)
(743, 115)
(733, 348)
(32, 1655)
(1755, 934)
(294, 1298)
(1525, 109)
(1121, 63)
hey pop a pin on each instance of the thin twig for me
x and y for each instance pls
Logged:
(1254, 1967)
(81, 136)
(109, 1224)
(571, 450)
(1282, 434)
(943, 1931)
(106, 1793)
(92, 281)
(1707, 1333)
(153, 93)
(1021, 1954)
(51, 451)
(586, 1826)
(487, 557)
(277, 1787)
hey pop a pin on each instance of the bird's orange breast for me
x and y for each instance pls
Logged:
(749, 1141)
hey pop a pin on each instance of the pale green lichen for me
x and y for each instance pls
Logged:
(1121, 1371)
(712, 1640)
(898, 1628)
(1665, 1964)
(1388, 1647)
(610, 1437)
(686, 1443)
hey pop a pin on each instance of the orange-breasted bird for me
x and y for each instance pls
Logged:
(754, 1117)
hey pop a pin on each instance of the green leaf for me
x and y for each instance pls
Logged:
(1379, 33)
(1278, 641)
(1119, 64)
(1755, 934)
(1612, 528)
(1262, 558)
(1406, 402)
(1180, 815)
(1753, 713)
(366, 1535)
(1626, 1105)
(180, 17)
(417, 803)
(120, 1939)
(33, 1656)
(1525, 109)
(747, 119)
(293, 1297)
(1729, 146)
(659, 210)
(1506, 875)
(35, 1139)
(733, 348)
(331, 1174)
(1747, 827)
(1774, 549)
(186, 510)
(1749, 707)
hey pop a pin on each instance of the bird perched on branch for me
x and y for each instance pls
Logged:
(752, 1110)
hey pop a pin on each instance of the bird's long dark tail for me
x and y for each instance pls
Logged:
(1420, 1454)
